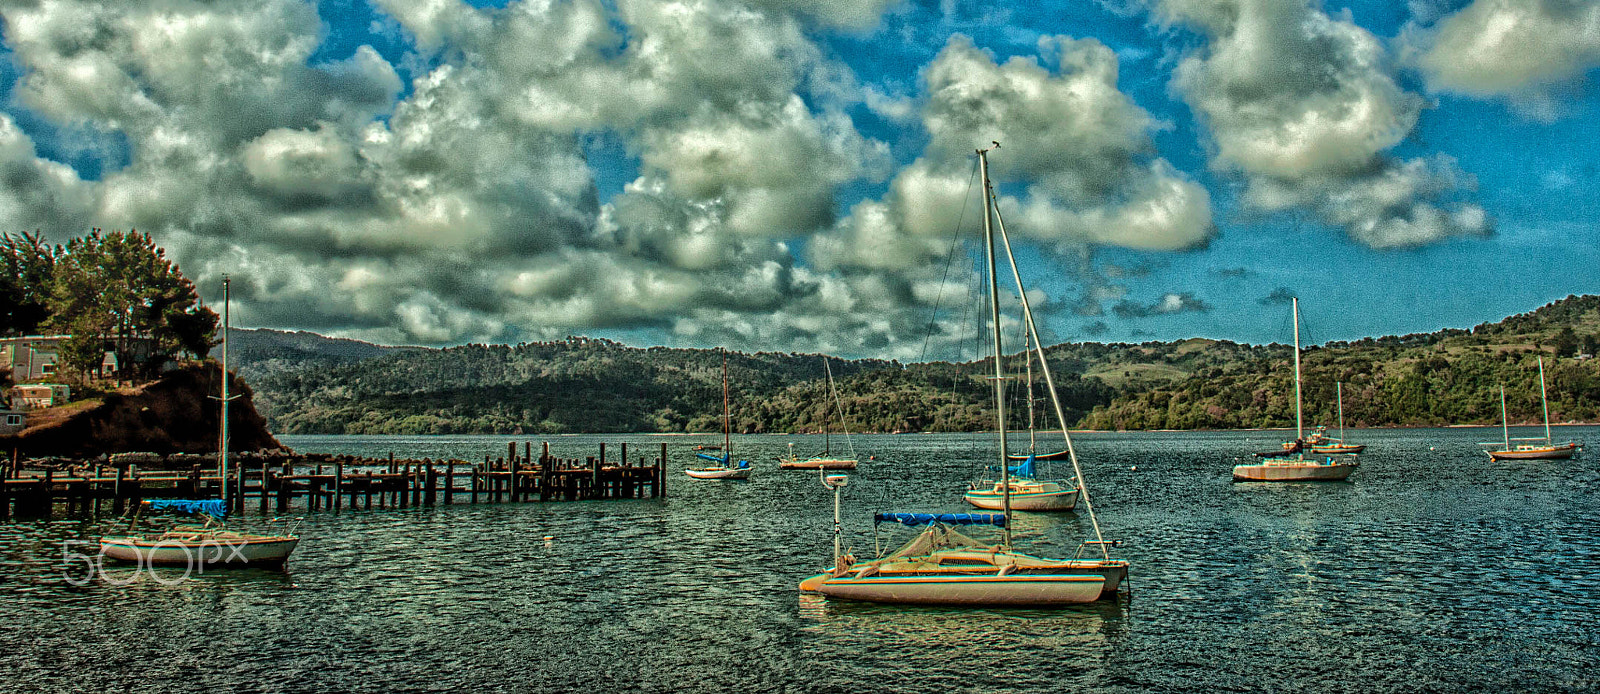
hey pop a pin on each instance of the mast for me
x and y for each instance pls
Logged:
(1504, 427)
(1032, 435)
(222, 439)
(1544, 401)
(1338, 387)
(1299, 427)
(994, 318)
(727, 443)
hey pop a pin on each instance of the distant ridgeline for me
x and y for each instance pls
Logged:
(312, 384)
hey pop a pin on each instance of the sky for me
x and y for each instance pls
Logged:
(785, 175)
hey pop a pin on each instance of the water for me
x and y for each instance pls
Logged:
(1432, 570)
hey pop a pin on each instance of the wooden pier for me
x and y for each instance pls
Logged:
(276, 484)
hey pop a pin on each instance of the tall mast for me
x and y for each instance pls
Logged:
(222, 439)
(1504, 427)
(1299, 427)
(727, 443)
(1032, 435)
(994, 324)
(1544, 401)
(1338, 387)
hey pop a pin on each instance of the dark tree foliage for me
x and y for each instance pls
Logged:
(104, 290)
(27, 265)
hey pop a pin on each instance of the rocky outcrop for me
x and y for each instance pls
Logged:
(178, 413)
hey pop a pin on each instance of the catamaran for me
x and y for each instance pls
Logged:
(1291, 464)
(1548, 450)
(724, 468)
(942, 566)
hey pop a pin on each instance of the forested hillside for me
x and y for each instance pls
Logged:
(591, 385)
(1442, 378)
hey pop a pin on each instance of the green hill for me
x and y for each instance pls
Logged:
(591, 385)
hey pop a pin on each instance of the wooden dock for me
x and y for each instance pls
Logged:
(275, 484)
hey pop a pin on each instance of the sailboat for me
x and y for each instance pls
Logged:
(825, 461)
(942, 566)
(1548, 450)
(1319, 442)
(211, 545)
(1033, 439)
(724, 469)
(1021, 490)
(1291, 464)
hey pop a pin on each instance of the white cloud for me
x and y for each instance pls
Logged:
(1519, 50)
(1306, 107)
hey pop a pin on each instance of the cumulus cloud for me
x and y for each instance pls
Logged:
(1168, 304)
(1076, 157)
(466, 210)
(1519, 50)
(1306, 107)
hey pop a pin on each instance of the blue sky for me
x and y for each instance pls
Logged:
(786, 175)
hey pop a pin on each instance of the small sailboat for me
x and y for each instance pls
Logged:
(825, 461)
(942, 566)
(211, 545)
(1024, 491)
(1547, 450)
(1319, 442)
(724, 468)
(1291, 464)
(205, 547)
(1033, 440)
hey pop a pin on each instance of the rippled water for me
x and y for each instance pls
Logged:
(1432, 570)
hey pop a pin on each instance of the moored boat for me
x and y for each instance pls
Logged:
(1547, 450)
(826, 460)
(1025, 493)
(1291, 464)
(941, 566)
(724, 468)
(210, 546)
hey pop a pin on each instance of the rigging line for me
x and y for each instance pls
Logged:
(955, 238)
(839, 404)
(1050, 386)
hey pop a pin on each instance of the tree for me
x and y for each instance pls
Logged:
(27, 264)
(1566, 342)
(114, 287)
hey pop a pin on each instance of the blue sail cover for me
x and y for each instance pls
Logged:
(1024, 468)
(723, 460)
(997, 519)
(211, 507)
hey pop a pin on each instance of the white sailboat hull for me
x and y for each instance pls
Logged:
(737, 473)
(1557, 452)
(202, 550)
(818, 464)
(1025, 497)
(1293, 471)
(971, 590)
